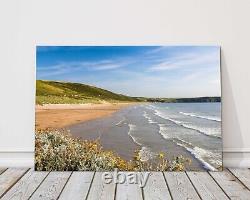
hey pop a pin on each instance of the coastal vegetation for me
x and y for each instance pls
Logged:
(57, 150)
(56, 92)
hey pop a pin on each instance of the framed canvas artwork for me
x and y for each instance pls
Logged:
(131, 108)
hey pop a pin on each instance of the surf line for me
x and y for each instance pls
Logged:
(182, 124)
(201, 117)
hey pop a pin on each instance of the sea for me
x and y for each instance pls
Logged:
(193, 126)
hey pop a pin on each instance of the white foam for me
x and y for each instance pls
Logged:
(167, 118)
(150, 121)
(207, 131)
(163, 131)
(132, 127)
(201, 154)
(185, 142)
(145, 153)
(212, 118)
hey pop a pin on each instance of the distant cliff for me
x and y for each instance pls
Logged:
(181, 100)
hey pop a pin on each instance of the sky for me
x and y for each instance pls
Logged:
(149, 71)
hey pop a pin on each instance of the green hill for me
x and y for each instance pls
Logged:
(55, 92)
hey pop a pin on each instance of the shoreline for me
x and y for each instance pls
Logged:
(82, 120)
(113, 133)
(62, 115)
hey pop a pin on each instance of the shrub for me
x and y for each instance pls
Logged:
(57, 150)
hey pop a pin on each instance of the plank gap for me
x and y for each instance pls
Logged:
(77, 186)
(193, 185)
(52, 185)
(231, 185)
(180, 186)
(13, 183)
(65, 185)
(24, 188)
(218, 185)
(39, 184)
(206, 186)
(248, 187)
(90, 185)
(2, 170)
(142, 193)
(167, 185)
(156, 187)
(115, 191)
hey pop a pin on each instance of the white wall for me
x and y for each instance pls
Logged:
(25, 24)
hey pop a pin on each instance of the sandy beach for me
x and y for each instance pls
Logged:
(61, 115)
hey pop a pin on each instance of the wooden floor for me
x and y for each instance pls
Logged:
(17, 183)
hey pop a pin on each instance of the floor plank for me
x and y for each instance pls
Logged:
(24, 188)
(206, 186)
(9, 178)
(99, 190)
(77, 186)
(243, 175)
(233, 188)
(16, 183)
(156, 187)
(128, 191)
(180, 186)
(51, 186)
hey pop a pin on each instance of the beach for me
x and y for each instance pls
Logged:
(138, 127)
(61, 115)
(172, 129)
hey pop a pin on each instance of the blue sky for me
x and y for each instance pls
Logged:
(151, 71)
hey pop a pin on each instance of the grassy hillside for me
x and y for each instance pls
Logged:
(74, 93)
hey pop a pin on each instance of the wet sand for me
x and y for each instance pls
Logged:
(110, 130)
(61, 115)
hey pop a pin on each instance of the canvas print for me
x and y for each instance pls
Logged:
(131, 108)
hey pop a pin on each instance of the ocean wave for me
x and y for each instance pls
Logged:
(214, 132)
(150, 121)
(160, 114)
(132, 127)
(163, 131)
(145, 153)
(205, 131)
(217, 119)
(206, 157)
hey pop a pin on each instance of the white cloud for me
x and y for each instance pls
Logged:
(186, 60)
(66, 67)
